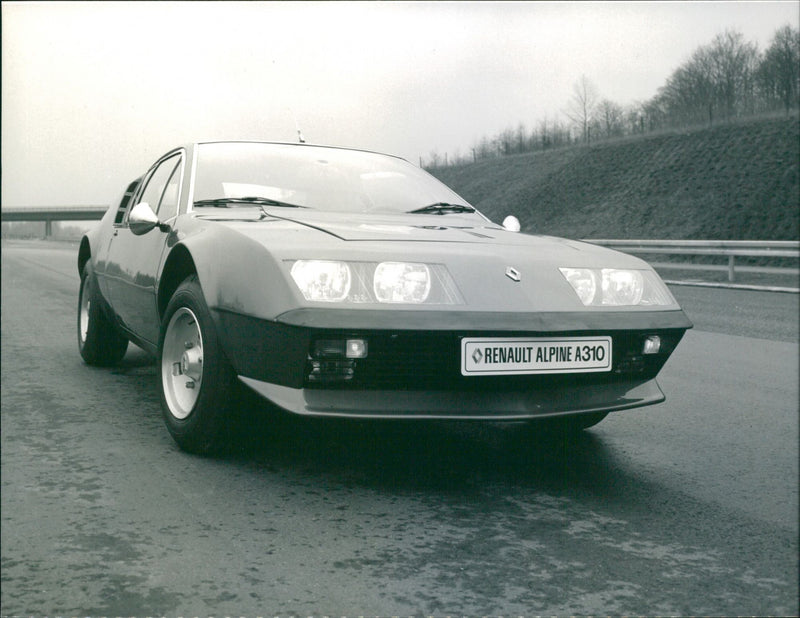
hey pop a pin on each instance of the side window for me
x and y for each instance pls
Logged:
(157, 182)
(125, 202)
(168, 207)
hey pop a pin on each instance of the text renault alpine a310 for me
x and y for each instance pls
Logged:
(337, 282)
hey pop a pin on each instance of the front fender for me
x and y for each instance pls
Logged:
(236, 274)
(90, 242)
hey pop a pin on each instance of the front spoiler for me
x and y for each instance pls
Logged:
(483, 406)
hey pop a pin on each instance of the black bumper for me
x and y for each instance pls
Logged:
(456, 405)
(413, 366)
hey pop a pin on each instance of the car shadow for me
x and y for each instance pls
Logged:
(421, 455)
(136, 361)
(393, 455)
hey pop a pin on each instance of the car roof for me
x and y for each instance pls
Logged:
(297, 144)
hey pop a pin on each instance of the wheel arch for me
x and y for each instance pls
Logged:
(179, 265)
(84, 254)
(236, 274)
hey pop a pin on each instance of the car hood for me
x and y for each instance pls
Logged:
(331, 235)
(382, 228)
(494, 269)
(363, 226)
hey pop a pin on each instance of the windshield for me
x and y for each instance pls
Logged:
(329, 179)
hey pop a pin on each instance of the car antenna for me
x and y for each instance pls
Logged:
(300, 137)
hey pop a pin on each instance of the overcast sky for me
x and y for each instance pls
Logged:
(93, 92)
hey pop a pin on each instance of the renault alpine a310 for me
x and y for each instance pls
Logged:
(344, 283)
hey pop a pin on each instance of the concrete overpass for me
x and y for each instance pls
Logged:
(48, 214)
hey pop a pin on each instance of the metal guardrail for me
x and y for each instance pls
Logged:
(751, 248)
(727, 248)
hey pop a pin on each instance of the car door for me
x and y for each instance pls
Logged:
(134, 261)
(101, 251)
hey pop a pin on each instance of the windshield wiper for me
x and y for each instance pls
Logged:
(228, 202)
(441, 208)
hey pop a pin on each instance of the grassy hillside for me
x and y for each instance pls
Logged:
(732, 182)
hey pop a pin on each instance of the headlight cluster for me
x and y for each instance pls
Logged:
(322, 280)
(371, 282)
(401, 282)
(617, 287)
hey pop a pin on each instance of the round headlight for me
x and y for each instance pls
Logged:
(583, 281)
(401, 282)
(322, 280)
(622, 287)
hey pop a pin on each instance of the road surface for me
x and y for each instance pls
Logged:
(688, 507)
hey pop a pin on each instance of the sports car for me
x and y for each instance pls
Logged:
(343, 283)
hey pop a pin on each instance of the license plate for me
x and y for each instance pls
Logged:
(515, 356)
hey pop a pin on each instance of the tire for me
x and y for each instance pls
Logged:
(99, 341)
(196, 381)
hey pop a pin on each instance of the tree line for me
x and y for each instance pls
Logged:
(725, 80)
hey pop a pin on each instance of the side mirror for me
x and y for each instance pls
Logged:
(511, 223)
(142, 219)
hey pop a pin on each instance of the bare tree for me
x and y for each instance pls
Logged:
(778, 74)
(434, 160)
(560, 134)
(484, 149)
(610, 116)
(718, 81)
(734, 63)
(582, 106)
(521, 141)
(634, 118)
(505, 142)
(724, 79)
(689, 94)
(545, 139)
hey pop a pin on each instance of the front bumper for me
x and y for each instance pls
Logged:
(413, 366)
(494, 406)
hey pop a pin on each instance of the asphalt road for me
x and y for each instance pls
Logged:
(688, 507)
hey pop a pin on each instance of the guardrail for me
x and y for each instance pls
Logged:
(726, 248)
(49, 214)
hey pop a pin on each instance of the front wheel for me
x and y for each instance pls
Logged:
(196, 379)
(99, 341)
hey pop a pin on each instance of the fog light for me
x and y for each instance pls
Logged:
(339, 348)
(356, 348)
(328, 371)
(328, 348)
(334, 360)
(652, 345)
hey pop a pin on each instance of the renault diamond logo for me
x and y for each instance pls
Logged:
(477, 356)
(512, 273)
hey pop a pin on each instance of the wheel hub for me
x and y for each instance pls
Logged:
(192, 363)
(182, 362)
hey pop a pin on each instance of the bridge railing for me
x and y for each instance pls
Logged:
(731, 249)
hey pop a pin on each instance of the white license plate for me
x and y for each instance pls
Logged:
(515, 356)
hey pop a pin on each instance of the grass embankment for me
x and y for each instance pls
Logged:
(733, 182)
